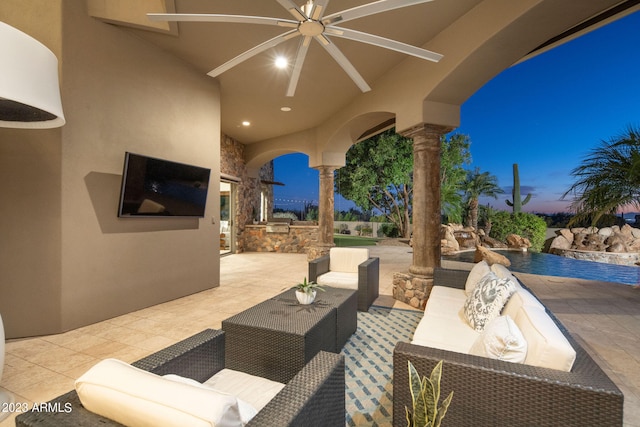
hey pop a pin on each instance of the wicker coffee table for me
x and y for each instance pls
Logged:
(346, 303)
(275, 339)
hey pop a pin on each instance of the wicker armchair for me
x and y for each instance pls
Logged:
(314, 397)
(367, 272)
(490, 392)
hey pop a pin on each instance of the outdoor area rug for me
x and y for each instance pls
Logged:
(369, 364)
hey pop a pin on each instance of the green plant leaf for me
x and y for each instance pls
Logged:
(443, 410)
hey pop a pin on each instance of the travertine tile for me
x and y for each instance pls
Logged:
(603, 316)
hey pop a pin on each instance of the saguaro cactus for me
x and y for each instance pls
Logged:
(515, 193)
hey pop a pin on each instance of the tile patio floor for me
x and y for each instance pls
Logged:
(604, 317)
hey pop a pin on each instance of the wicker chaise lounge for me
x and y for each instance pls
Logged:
(314, 397)
(489, 392)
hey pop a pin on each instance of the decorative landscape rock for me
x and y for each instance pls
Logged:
(613, 245)
(518, 242)
(491, 257)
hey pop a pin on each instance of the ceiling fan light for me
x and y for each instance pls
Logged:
(29, 87)
(281, 62)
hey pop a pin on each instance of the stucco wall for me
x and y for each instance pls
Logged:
(119, 94)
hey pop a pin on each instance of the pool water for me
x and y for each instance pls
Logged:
(554, 265)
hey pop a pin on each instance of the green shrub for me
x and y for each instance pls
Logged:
(389, 230)
(523, 224)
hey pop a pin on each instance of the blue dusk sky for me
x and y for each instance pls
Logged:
(545, 114)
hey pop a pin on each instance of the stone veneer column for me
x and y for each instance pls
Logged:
(325, 214)
(414, 288)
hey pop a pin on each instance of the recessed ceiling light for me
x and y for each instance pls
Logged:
(281, 62)
(285, 108)
(246, 123)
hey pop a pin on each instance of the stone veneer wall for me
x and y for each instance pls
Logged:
(297, 240)
(411, 289)
(248, 191)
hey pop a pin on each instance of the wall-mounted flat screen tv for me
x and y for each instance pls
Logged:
(160, 188)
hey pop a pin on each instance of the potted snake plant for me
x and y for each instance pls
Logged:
(425, 394)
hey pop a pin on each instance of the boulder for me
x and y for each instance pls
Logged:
(449, 238)
(617, 243)
(518, 242)
(567, 234)
(493, 243)
(605, 231)
(491, 257)
(560, 242)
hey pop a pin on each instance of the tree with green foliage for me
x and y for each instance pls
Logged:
(478, 184)
(608, 178)
(378, 175)
(454, 155)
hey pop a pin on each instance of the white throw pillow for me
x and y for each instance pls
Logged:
(504, 273)
(487, 299)
(477, 272)
(134, 397)
(502, 340)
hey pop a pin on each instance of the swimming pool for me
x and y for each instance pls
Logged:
(554, 265)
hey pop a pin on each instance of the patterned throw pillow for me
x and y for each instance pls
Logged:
(487, 299)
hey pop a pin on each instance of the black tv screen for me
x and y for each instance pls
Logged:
(160, 188)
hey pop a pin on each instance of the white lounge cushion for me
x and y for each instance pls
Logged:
(502, 340)
(254, 390)
(487, 300)
(339, 280)
(134, 397)
(450, 333)
(247, 411)
(478, 271)
(547, 346)
(347, 260)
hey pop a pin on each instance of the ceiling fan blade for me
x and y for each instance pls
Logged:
(369, 9)
(253, 51)
(346, 65)
(215, 17)
(294, 10)
(318, 9)
(297, 65)
(383, 42)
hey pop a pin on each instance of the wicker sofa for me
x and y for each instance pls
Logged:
(314, 397)
(490, 392)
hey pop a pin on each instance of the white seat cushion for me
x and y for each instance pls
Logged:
(339, 280)
(445, 301)
(256, 391)
(134, 397)
(347, 260)
(450, 333)
(547, 345)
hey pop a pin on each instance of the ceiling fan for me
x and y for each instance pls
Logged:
(310, 23)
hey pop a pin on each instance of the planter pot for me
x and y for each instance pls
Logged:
(305, 298)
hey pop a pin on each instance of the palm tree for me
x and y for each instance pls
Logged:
(475, 185)
(608, 178)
